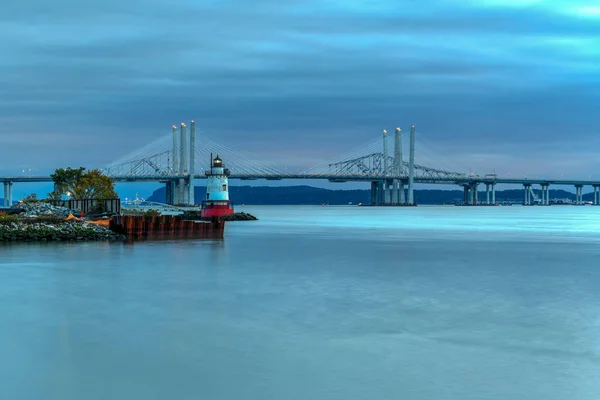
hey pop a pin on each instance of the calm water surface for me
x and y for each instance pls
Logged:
(314, 303)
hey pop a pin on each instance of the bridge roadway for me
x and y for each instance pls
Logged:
(333, 178)
(469, 183)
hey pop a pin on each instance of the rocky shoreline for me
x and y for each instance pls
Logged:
(31, 231)
(42, 222)
(32, 222)
(239, 216)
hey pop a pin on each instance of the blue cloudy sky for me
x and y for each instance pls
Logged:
(506, 85)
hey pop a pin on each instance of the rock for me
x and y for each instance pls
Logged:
(30, 229)
(241, 216)
(36, 208)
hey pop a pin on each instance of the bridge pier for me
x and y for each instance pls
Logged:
(543, 201)
(402, 193)
(184, 190)
(596, 195)
(411, 167)
(170, 192)
(378, 192)
(578, 195)
(474, 194)
(191, 168)
(397, 197)
(175, 191)
(8, 193)
(527, 190)
(373, 193)
(487, 194)
(545, 194)
(386, 190)
(493, 193)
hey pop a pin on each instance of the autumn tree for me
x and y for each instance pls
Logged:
(79, 184)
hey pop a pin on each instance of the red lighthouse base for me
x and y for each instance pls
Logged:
(216, 208)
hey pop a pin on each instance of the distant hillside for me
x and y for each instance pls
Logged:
(307, 195)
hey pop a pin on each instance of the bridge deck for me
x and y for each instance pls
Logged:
(333, 178)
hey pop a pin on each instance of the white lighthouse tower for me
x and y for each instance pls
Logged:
(217, 203)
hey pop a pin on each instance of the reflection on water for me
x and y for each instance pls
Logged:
(314, 302)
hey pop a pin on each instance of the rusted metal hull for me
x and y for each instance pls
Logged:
(166, 227)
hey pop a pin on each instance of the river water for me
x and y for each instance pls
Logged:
(314, 303)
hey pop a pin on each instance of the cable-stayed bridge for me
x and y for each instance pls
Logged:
(391, 162)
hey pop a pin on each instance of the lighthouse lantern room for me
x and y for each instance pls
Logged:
(217, 201)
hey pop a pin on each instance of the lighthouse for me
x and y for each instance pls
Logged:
(217, 203)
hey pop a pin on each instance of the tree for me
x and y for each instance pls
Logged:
(79, 184)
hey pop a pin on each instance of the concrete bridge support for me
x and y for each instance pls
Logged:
(397, 197)
(402, 193)
(527, 190)
(191, 168)
(470, 195)
(493, 193)
(378, 192)
(545, 194)
(596, 195)
(183, 167)
(386, 191)
(386, 198)
(171, 192)
(487, 193)
(8, 194)
(466, 195)
(373, 193)
(578, 194)
(411, 167)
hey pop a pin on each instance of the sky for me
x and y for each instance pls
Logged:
(505, 86)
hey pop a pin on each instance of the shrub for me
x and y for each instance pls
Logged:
(8, 218)
(152, 213)
(30, 198)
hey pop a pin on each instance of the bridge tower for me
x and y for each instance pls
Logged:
(398, 184)
(191, 198)
(411, 167)
(173, 186)
(183, 182)
(386, 184)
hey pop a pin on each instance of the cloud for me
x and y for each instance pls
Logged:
(302, 79)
